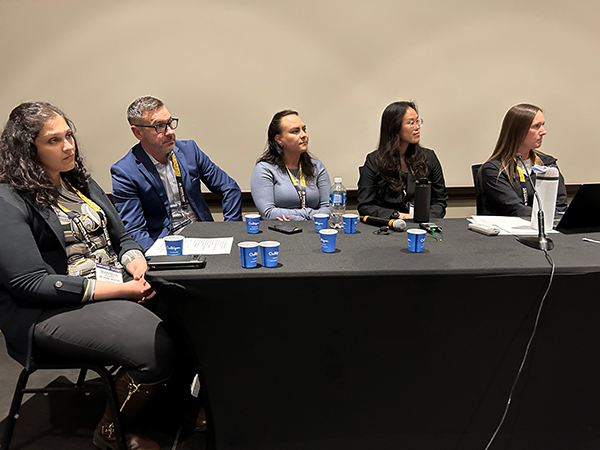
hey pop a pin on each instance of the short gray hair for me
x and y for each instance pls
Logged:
(139, 106)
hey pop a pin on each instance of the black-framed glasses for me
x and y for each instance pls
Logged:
(162, 127)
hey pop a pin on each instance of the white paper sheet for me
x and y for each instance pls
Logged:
(509, 225)
(195, 246)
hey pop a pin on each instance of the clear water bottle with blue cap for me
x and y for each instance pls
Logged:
(337, 200)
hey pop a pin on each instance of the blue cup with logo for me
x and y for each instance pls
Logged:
(252, 223)
(248, 254)
(328, 238)
(269, 253)
(321, 221)
(350, 221)
(174, 245)
(416, 239)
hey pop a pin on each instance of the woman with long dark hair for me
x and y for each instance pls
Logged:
(64, 255)
(287, 182)
(503, 189)
(386, 186)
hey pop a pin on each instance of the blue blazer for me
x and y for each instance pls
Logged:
(141, 199)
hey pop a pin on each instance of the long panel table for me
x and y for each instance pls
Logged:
(374, 347)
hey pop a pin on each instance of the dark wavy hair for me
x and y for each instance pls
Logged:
(515, 126)
(19, 163)
(388, 155)
(274, 152)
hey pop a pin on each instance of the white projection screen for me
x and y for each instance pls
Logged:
(225, 67)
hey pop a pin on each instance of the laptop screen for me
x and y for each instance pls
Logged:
(583, 214)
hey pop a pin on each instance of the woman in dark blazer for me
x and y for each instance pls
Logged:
(61, 240)
(386, 186)
(503, 188)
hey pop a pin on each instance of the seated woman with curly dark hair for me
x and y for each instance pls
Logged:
(386, 186)
(63, 254)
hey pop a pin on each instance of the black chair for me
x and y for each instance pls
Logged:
(21, 389)
(478, 195)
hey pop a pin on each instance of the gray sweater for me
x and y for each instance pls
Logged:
(274, 194)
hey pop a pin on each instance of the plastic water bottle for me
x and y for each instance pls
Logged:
(546, 184)
(337, 199)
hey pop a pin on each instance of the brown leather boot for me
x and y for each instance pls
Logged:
(194, 419)
(132, 397)
(201, 421)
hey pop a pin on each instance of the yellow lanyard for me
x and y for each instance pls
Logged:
(301, 176)
(179, 181)
(82, 197)
(175, 165)
(520, 171)
(522, 177)
(521, 174)
(75, 218)
(300, 189)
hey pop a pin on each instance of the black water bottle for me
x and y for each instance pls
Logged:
(422, 200)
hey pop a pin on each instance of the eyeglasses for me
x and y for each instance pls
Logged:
(415, 123)
(162, 127)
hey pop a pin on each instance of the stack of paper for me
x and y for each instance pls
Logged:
(508, 225)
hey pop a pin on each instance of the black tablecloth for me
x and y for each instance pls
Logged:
(374, 347)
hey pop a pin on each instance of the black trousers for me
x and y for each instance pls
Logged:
(109, 332)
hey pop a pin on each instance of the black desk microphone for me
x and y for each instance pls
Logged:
(393, 224)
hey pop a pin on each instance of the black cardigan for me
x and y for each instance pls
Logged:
(33, 263)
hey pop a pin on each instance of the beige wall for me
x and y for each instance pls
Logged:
(225, 67)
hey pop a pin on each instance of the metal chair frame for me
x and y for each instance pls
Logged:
(475, 172)
(80, 386)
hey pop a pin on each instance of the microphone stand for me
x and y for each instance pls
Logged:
(541, 242)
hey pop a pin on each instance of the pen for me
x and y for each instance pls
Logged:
(593, 241)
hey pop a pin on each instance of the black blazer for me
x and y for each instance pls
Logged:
(499, 197)
(33, 263)
(377, 199)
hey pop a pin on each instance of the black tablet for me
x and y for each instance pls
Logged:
(177, 262)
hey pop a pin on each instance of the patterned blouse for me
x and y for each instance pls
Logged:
(86, 237)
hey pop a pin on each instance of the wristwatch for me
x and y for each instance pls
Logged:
(395, 215)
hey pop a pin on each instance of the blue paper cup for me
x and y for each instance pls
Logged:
(328, 238)
(321, 221)
(350, 221)
(252, 223)
(174, 245)
(269, 253)
(416, 239)
(248, 254)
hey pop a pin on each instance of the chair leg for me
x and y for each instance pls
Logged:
(81, 378)
(14, 409)
(111, 398)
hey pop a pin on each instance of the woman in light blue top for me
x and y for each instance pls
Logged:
(287, 183)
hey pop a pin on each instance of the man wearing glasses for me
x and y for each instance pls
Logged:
(156, 186)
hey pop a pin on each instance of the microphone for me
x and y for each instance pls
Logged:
(393, 224)
(541, 242)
